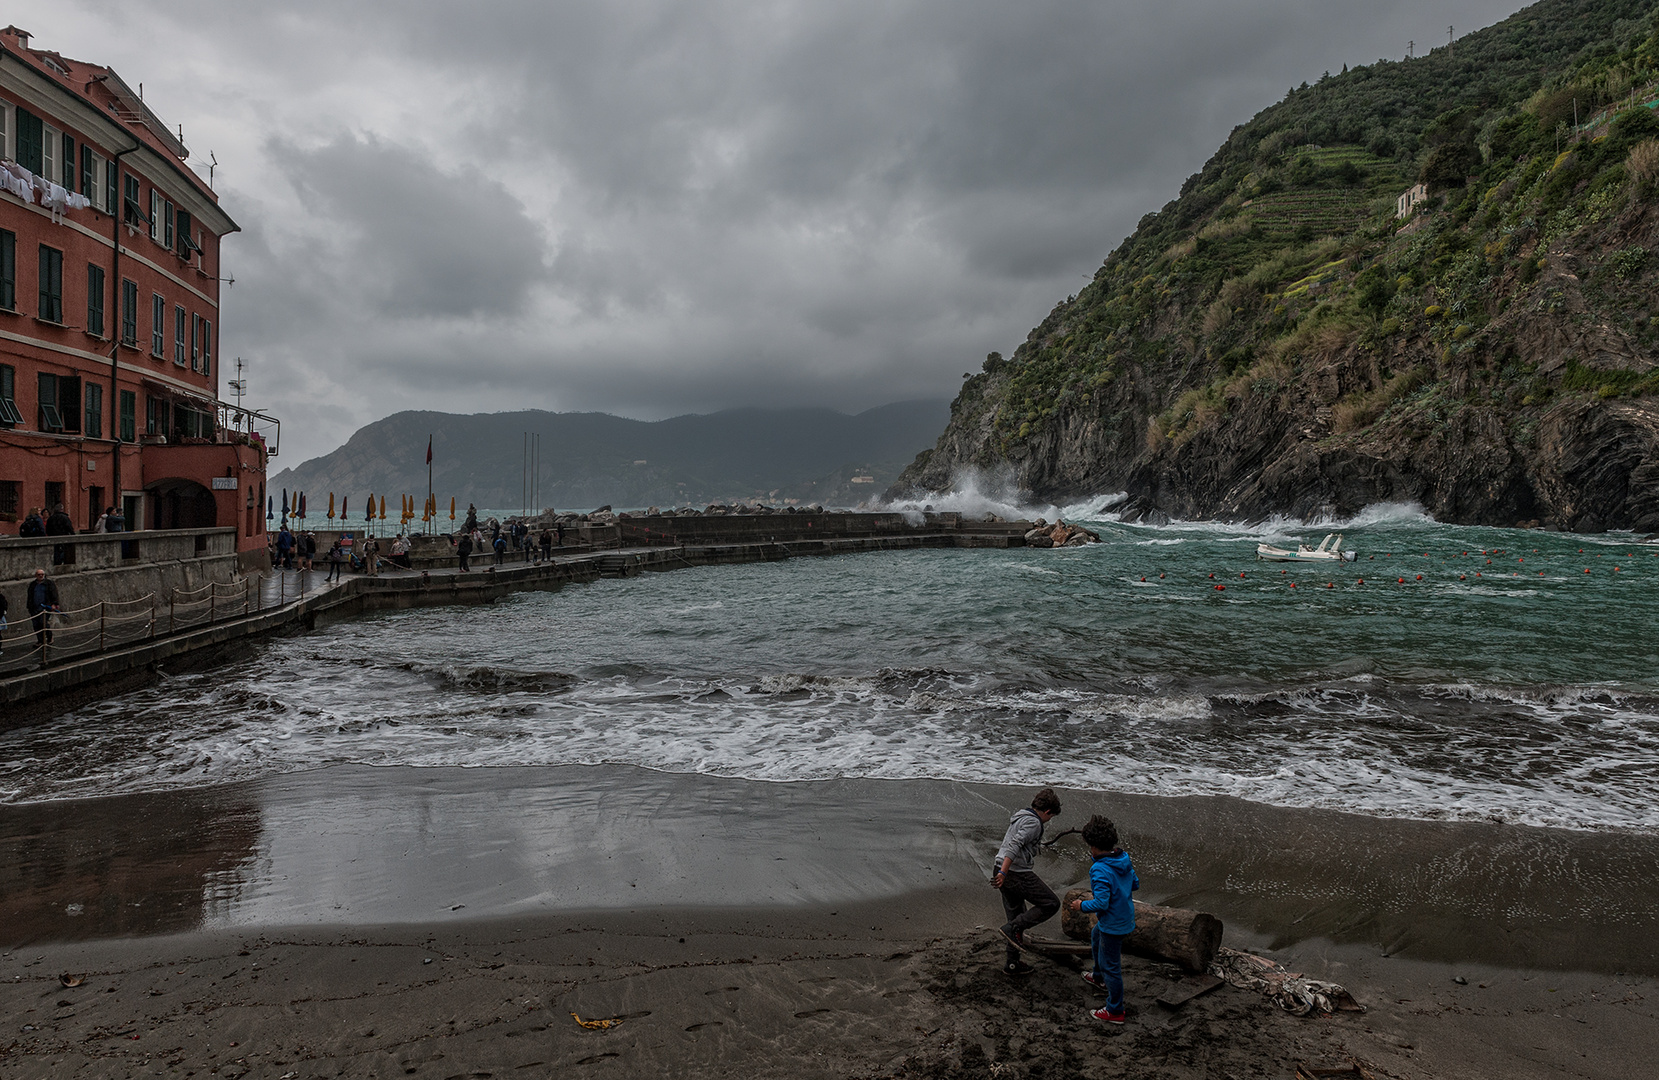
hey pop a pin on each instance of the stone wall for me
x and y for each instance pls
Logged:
(117, 566)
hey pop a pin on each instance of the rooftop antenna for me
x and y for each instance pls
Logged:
(212, 163)
(239, 385)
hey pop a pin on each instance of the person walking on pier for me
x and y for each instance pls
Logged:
(546, 546)
(308, 551)
(463, 550)
(336, 556)
(41, 599)
(371, 556)
(500, 548)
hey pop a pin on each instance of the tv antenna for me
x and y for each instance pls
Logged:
(212, 163)
(1451, 37)
(1410, 45)
(239, 385)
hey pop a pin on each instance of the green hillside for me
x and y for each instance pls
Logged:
(1278, 340)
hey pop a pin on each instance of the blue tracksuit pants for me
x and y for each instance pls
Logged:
(1108, 965)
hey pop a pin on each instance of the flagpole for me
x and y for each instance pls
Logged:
(429, 480)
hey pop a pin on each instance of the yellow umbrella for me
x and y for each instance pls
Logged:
(331, 506)
(383, 508)
(452, 508)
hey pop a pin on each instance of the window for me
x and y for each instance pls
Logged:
(131, 209)
(195, 343)
(187, 239)
(158, 325)
(129, 419)
(8, 270)
(9, 416)
(60, 403)
(11, 497)
(94, 428)
(155, 416)
(109, 188)
(51, 149)
(5, 130)
(51, 284)
(68, 160)
(155, 208)
(129, 312)
(178, 335)
(166, 224)
(29, 137)
(94, 299)
(207, 346)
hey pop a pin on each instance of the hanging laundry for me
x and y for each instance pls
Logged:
(77, 201)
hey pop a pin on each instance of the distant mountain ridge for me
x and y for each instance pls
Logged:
(589, 459)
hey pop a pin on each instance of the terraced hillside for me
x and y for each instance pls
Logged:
(1278, 340)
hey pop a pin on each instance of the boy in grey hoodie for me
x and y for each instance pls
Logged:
(1018, 882)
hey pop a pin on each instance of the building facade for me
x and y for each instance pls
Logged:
(109, 314)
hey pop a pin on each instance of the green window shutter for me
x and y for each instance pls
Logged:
(86, 169)
(8, 270)
(94, 299)
(129, 416)
(68, 168)
(94, 426)
(30, 140)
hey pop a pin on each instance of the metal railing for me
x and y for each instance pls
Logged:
(27, 643)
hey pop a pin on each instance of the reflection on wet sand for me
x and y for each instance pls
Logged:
(125, 865)
(354, 845)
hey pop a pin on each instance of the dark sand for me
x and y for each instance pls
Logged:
(284, 928)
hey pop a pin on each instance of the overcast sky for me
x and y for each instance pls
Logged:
(657, 208)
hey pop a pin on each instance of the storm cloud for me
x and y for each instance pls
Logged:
(657, 208)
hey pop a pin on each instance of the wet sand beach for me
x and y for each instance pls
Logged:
(447, 922)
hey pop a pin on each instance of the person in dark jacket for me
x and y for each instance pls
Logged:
(33, 524)
(4, 607)
(285, 549)
(58, 523)
(336, 556)
(41, 598)
(546, 545)
(500, 548)
(1019, 884)
(464, 550)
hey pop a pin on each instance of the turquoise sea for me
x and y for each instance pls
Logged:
(1451, 672)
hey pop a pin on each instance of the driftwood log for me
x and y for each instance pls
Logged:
(1177, 935)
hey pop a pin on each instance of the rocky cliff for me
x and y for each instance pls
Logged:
(1306, 330)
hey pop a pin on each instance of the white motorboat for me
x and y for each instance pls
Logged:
(1329, 550)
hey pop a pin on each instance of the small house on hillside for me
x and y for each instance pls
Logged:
(1405, 204)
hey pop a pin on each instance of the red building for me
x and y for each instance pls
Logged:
(109, 314)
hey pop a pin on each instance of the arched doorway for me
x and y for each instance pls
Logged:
(181, 504)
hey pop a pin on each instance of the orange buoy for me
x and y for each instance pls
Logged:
(1361, 581)
(1143, 578)
(1212, 577)
(1293, 584)
(1221, 588)
(1586, 569)
(1477, 573)
(1330, 584)
(1488, 562)
(1419, 577)
(1462, 577)
(1241, 573)
(1402, 581)
(1160, 577)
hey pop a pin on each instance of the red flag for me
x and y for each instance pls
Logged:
(429, 449)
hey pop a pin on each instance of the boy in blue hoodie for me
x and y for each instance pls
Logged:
(1112, 877)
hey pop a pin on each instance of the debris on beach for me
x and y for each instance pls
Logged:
(598, 1025)
(1295, 993)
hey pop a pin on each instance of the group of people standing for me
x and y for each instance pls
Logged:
(515, 536)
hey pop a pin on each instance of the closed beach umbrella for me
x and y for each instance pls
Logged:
(452, 508)
(368, 515)
(331, 506)
(284, 502)
(343, 500)
(383, 508)
(302, 505)
(270, 507)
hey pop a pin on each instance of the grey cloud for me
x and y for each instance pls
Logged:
(653, 207)
(421, 242)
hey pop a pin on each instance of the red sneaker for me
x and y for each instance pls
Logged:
(1110, 1017)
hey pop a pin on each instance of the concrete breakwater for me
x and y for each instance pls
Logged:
(306, 602)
